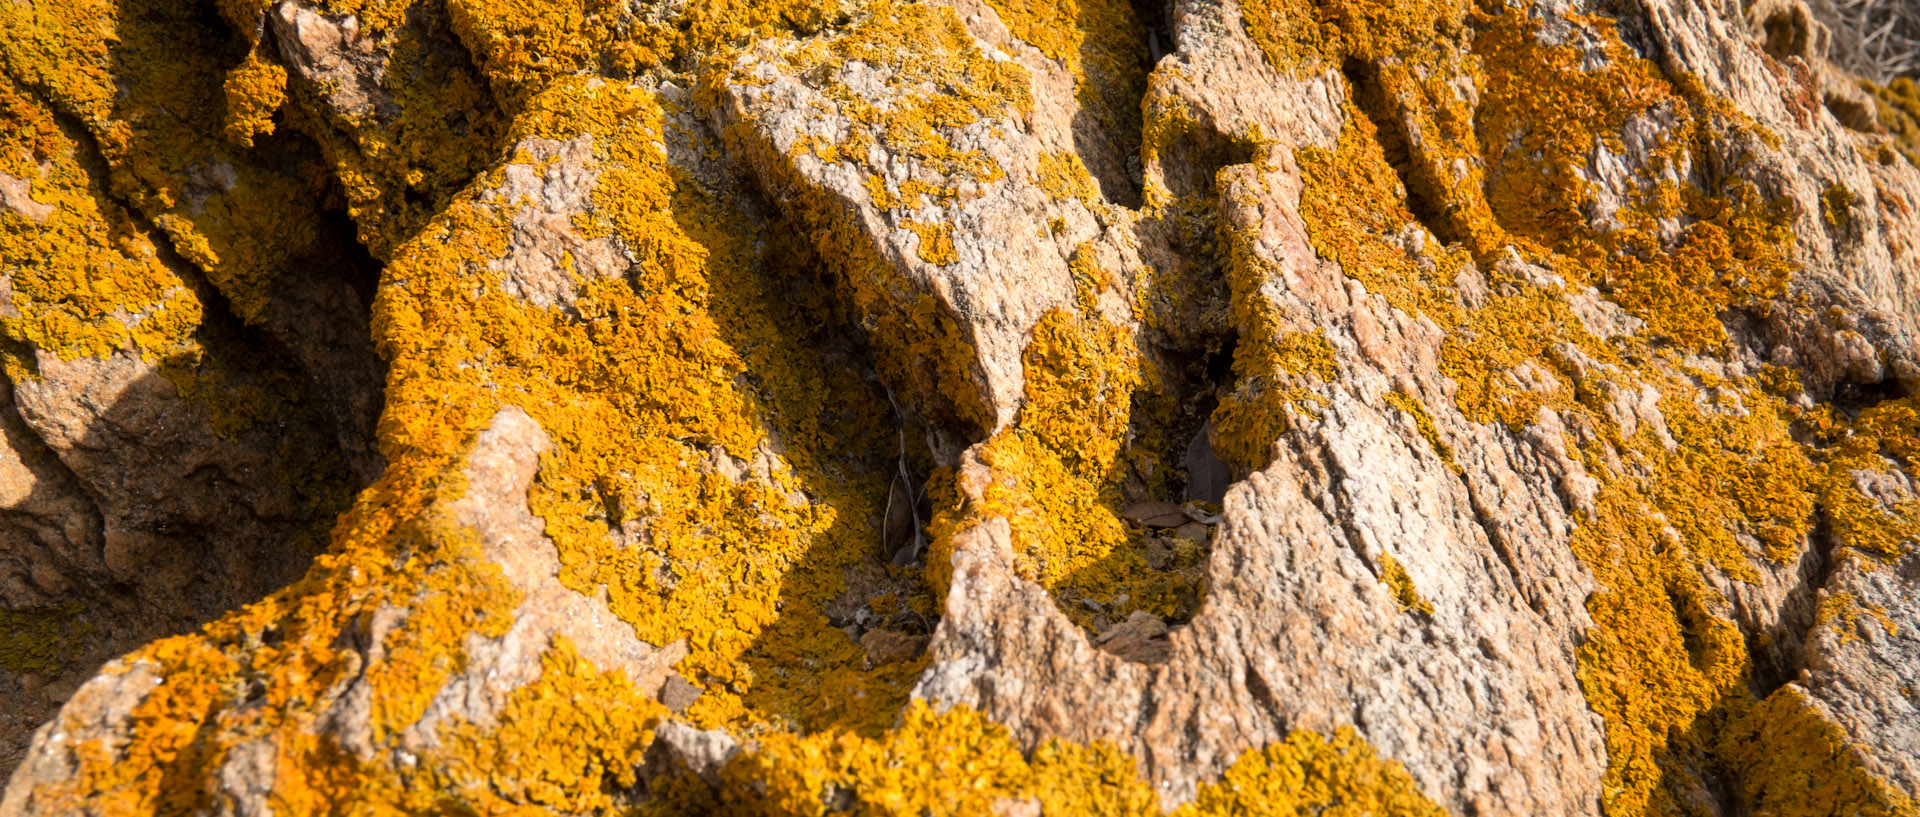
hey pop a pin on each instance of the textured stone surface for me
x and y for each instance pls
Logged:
(1455, 407)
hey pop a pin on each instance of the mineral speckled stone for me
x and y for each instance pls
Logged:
(958, 407)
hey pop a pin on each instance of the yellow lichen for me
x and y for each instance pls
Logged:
(936, 81)
(84, 279)
(959, 762)
(947, 84)
(167, 721)
(1308, 774)
(1841, 613)
(1064, 176)
(1423, 421)
(570, 741)
(1724, 476)
(714, 474)
(1061, 469)
(41, 640)
(936, 241)
(1836, 206)
(1898, 106)
(1794, 762)
(1272, 367)
(738, 568)
(154, 100)
(1394, 576)
(254, 92)
(1102, 45)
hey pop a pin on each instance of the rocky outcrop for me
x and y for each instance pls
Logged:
(980, 406)
(171, 461)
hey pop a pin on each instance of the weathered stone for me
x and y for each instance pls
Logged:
(790, 402)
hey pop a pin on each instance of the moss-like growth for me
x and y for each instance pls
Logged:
(42, 641)
(1898, 106)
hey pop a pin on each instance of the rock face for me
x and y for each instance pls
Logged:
(955, 406)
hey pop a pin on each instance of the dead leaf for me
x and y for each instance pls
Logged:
(1156, 514)
(1207, 476)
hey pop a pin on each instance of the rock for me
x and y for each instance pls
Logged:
(891, 647)
(1029, 807)
(1140, 639)
(164, 463)
(1538, 376)
(1158, 554)
(1861, 665)
(359, 105)
(1194, 532)
(678, 693)
(682, 749)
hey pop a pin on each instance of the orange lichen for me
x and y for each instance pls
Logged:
(254, 91)
(1273, 368)
(141, 776)
(1064, 176)
(1062, 469)
(154, 100)
(1308, 774)
(737, 566)
(1722, 478)
(713, 371)
(1394, 576)
(936, 241)
(1675, 255)
(83, 278)
(1424, 421)
(935, 81)
(1102, 44)
(521, 47)
(86, 278)
(1797, 763)
(959, 762)
(715, 474)
(570, 741)
(1898, 107)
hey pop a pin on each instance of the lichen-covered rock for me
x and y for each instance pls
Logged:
(169, 463)
(955, 407)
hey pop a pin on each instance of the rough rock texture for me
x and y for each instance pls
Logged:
(171, 460)
(1454, 406)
